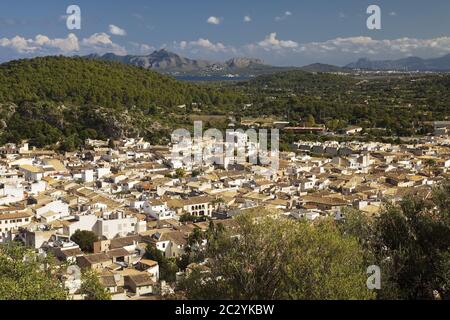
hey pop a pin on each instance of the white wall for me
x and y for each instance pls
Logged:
(84, 223)
(11, 193)
(116, 227)
(55, 206)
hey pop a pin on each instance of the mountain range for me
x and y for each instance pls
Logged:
(171, 63)
(168, 62)
(441, 64)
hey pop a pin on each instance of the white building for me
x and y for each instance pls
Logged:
(58, 207)
(37, 187)
(171, 244)
(310, 215)
(12, 221)
(87, 175)
(101, 172)
(118, 224)
(31, 173)
(109, 226)
(80, 222)
(198, 206)
(10, 193)
(158, 210)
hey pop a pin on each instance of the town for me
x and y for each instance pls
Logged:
(134, 196)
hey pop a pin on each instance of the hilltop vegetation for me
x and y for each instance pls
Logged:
(279, 259)
(399, 103)
(287, 259)
(81, 81)
(54, 99)
(59, 101)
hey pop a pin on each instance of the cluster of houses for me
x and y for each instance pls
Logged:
(133, 196)
(441, 128)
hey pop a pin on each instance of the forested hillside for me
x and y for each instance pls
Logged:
(401, 104)
(59, 101)
(82, 81)
(55, 99)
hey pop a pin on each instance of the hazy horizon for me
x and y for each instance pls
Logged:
(285, 33)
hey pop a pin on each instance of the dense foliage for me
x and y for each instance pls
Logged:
(267, 258)
(24, 275)
(280, 259)
(91, 288)
(85, 240)
(399, 103)
(66, 100)
(411, 244)
(80, 81)
(60, 102)
(167, 267)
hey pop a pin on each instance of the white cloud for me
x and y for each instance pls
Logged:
(205, 46)
(331, 51)
(214, 20)
(115, 30)
(17, 43)
(272, 43)
(41, 43)
(285, 15)
(68, 44)
(208, 45)
(146, 47)
(344, 50)
(283, 51)
(96, 43)
(247, 19)
(393, 14)
(142, 48)
(102, 43)
(183, 44)
(368, 46)
(98, 39)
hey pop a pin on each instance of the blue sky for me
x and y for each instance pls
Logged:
(282, 32)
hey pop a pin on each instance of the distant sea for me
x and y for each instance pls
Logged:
(211, 78)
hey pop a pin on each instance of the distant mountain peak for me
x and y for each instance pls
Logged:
(441, 64)
(324, 68)
(242, 62)
(166, 61)
(163, 53)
